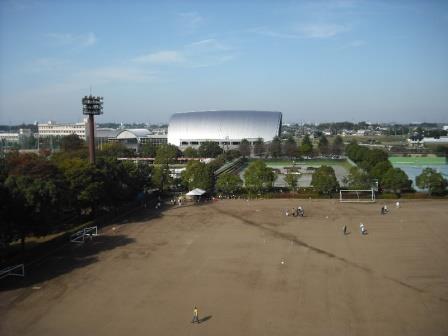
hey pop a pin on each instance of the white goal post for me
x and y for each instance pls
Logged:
(357, 196)
(17, 270)
(80, 236)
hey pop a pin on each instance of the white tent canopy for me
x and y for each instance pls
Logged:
(196, 192)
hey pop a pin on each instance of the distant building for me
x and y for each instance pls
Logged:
(227, 128)
(62, 129)
(15, 138)
(105, 135)
(9, 137)
(134, 138)
(443, 140)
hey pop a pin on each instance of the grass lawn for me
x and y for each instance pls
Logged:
(418, 161)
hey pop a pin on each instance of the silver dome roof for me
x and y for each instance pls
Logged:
(221, 125)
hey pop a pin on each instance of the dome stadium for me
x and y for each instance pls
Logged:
(227, 128)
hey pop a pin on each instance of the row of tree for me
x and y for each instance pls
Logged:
(290, 148)
(39, 194)
(375, 166)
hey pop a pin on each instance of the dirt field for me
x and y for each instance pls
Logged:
(145, 277)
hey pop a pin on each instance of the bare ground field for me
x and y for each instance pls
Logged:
(145, 277)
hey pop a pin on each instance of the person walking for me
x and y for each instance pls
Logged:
(195, 315)
(344, 229)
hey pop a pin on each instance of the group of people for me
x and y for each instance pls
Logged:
(299, 212)
(362, 228)
(177, 201)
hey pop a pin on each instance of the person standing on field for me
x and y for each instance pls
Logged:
(195, 315)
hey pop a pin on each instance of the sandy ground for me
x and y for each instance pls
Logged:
(145, 277)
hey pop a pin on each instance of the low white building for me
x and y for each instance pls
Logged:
(443, 140)
(10, 138)
(62, 129)
(134, 138)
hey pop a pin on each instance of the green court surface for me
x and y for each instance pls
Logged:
(417, 161)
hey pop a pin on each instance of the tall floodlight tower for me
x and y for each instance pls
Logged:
(91, 106)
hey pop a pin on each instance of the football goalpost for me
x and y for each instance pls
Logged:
(17, 270)
(357, 196)
(81, 235)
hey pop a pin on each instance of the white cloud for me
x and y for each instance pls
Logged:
(46, 64)
(303, 31)
(164, 56)
(357, 43)
(113, 74)
(190, 21)
(81, 40)
(201, 53)
(208, 44)
(96, 77)
(320, 30)
(271, 33)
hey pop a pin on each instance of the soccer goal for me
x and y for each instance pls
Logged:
(80, 236)
(357, 196)
(17, 270)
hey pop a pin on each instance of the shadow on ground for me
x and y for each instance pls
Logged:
(206, 318)
(65, 259)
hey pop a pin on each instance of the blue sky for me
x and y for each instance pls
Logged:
(312, 60)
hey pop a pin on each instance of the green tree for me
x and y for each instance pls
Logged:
(231, 154)
(138, 177)
(9, 228)
(115, 150)
(433, 181)
(244, 148)
(191, 152)
(372, 157)
(275, 148)
(209, 149)
(228, 183)
(161, 177)
(338, 145)
(291, 180)
(290, 147)
(148, 150)
(71, 142)
(86, 185)
(395, 180)
(380, 169)
(198, 175)
(166, 154)
(323, 146)
(306, 147)
(259, 147)
(357, 179)
(36, 188)
(258, 176)
(324, 180)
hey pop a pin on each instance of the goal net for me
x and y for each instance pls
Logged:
(357, 196)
